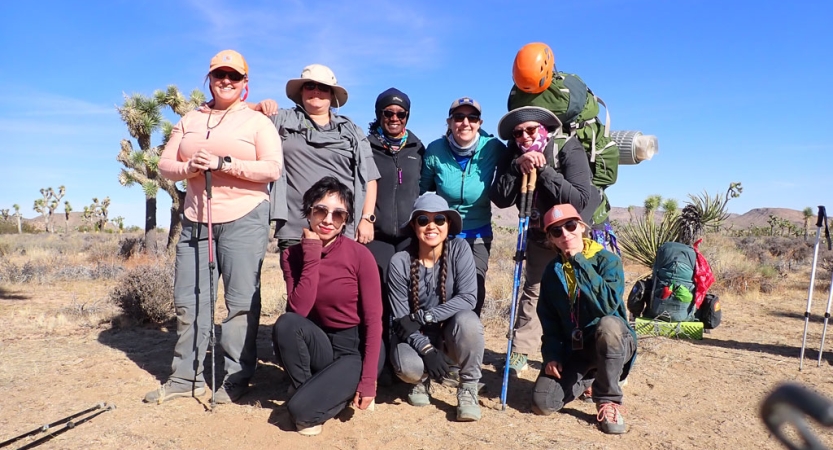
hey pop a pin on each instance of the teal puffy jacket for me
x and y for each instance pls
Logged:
(466, 191)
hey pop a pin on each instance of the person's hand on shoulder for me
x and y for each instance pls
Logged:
(268, 107)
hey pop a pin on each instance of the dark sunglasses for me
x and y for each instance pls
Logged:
(320, 212)
(231, 75)
(423, 220)
(557, 231)
(459, 117)
(528, 130)
(399, 114)
(310, 86)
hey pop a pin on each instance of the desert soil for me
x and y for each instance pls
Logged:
(57, 359)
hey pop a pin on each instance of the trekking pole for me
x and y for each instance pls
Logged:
(829, 297)
(822, 220)
(787, 405)
(212, 338)
(66, 420)
(527, 189)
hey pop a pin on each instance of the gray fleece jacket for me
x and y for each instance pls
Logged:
(460, 282)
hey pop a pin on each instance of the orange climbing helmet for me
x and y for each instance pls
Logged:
(533, 67)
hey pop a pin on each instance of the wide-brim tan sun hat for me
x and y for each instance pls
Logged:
(523, 114)
(317, 73)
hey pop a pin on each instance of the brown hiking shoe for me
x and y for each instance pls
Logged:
(171, 390)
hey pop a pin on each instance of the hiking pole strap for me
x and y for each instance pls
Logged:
(822, 221)
(788, 404)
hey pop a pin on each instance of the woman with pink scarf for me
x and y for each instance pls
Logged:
(537, 143)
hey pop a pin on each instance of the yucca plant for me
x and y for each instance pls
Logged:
(641, 238)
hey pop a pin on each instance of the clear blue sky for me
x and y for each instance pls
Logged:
(736, 91)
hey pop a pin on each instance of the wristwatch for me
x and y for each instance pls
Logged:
(369, 217)
(223, 160)
(427, 317)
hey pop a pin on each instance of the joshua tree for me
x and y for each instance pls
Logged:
(67, 210)
(808, 214)
(5, 214)
(17, 215)
(119, 222)
(652, 202)
(143, 117)
(40, 207)
(772, 222)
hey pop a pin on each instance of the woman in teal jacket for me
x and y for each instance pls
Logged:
(460, 167)
(587, 339)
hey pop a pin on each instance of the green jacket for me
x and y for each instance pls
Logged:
(600, 282)
(465, 191)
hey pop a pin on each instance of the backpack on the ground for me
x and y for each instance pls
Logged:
(577, 108)
(640, 296)
(710, 312)
(672, 294)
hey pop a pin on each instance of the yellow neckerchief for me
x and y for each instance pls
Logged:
(591, 247)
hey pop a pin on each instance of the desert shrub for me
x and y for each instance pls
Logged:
(5, 249)
(145, 293)
(131, 246)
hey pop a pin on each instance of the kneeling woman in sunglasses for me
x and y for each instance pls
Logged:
(587, 339)
(329, 339)
(432, 292)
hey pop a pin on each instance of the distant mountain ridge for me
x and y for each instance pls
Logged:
(755, 217)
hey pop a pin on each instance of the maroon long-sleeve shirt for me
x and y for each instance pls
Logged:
(338, 287)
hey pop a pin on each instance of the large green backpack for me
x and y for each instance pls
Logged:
(577, 108)
(672, 293)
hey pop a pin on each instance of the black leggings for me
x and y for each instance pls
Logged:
(325, 366)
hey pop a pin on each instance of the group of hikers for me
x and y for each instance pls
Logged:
(385, 248)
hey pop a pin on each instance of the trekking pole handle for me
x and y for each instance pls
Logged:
(208, 183)
(533, 179)
(822, 216)
(822, 220)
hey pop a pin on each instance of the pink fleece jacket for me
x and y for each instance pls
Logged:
(252, 142)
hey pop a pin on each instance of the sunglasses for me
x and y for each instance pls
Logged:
(459, 117)
(401, 115)
(519, 133)
(310, 86)
(231, 75)
(557, 231)
(320, 212)
(423, 220)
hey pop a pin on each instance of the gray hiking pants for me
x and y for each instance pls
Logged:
(460, 338)
(599, 364)
(527, 326)
(239, 248)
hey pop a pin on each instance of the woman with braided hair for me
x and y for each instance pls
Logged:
(432, 292)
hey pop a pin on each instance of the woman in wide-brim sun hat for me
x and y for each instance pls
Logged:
(243, 152)
(563, 177)
(319, 142)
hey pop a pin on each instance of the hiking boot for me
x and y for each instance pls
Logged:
(452, 378)
(517, 363)
(308, 430)
(419, 394)
(230, 392)
(171, 390)
(610, 418)
(468, 407)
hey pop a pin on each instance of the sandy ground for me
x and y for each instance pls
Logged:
(60, 354)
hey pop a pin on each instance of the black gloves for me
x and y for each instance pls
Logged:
(405, 326)
(435, 364)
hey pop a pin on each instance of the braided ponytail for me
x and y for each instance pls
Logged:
(414, 251)
(444, 271)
